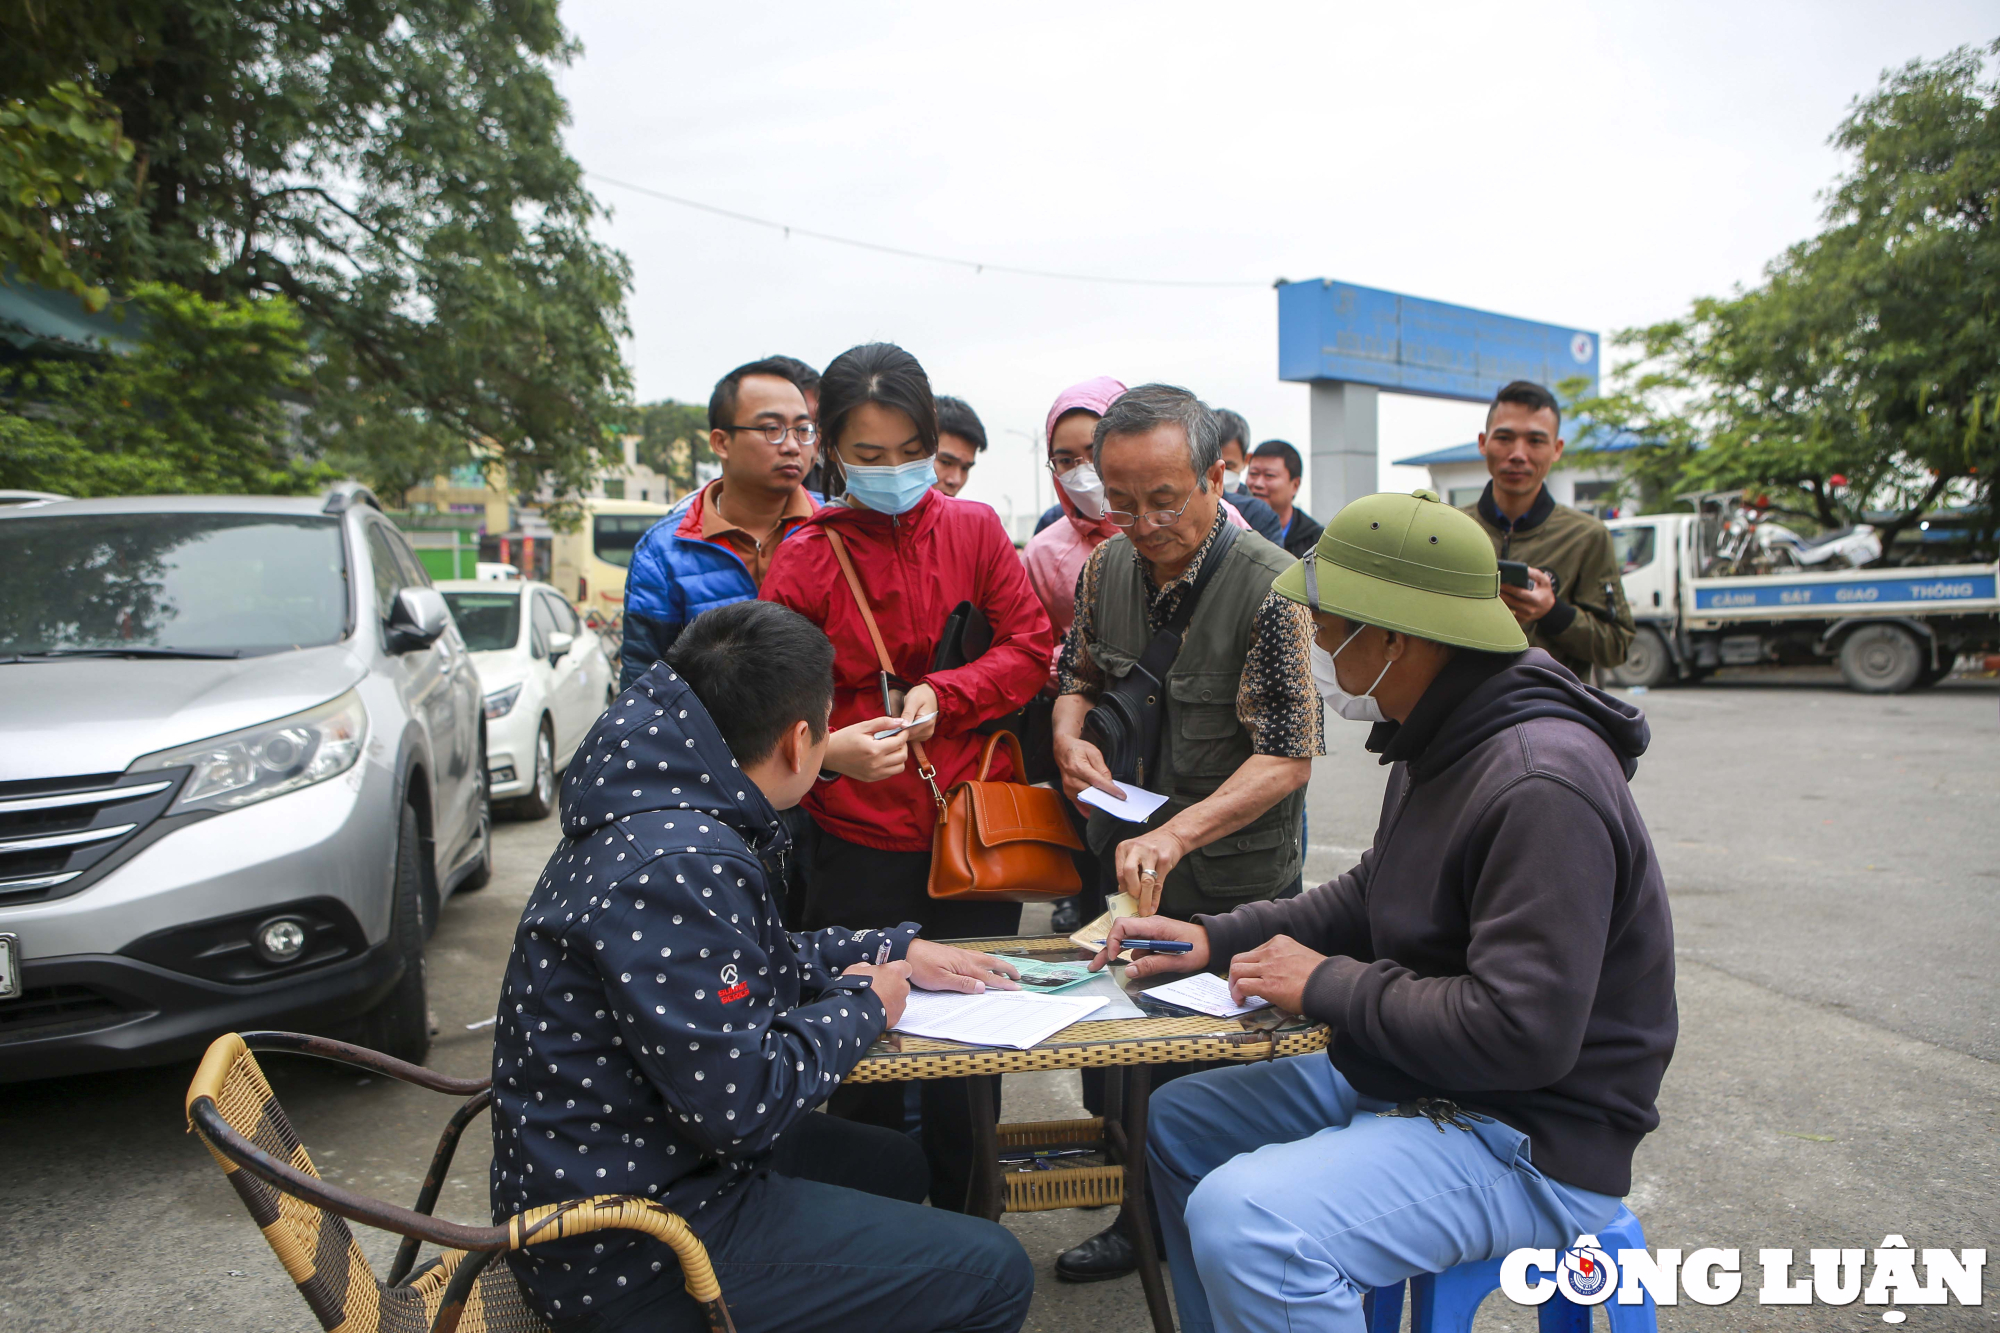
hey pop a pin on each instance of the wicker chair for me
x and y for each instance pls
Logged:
(234, 1111)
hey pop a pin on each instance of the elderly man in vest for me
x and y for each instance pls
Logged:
(1242, 719)
(1497, 971)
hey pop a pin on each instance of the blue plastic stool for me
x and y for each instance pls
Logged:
(1445, 1302)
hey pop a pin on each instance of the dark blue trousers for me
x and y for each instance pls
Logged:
(834, 1237)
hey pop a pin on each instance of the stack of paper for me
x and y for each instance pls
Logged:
(1205, 993)
(997, 1018)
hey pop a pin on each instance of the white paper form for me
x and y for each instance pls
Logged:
(1138, 805)
(1207, 993)
(997, 1018)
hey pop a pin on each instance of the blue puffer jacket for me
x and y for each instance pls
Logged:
(673, 579)
(658, 1029)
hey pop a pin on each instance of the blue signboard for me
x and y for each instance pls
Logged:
(1337, 331)
(1858, 593)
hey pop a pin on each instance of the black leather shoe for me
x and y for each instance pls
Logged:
(1067, 918)
(1108, 1254)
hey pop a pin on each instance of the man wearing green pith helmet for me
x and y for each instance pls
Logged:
(1496, 971)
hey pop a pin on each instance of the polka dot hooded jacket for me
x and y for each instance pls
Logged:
(658, 1029)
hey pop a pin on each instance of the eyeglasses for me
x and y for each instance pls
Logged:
(1062, 467)
(1155, 518)
(775, 432)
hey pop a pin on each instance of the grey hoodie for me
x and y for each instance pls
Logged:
(1505, 942)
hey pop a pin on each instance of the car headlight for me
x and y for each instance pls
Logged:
(501, 702)
(257, 763)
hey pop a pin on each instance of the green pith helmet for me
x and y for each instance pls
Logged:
(1408, 563)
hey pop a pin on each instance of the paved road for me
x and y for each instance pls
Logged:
(1832, 862)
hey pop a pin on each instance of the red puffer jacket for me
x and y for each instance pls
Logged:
(915, 568)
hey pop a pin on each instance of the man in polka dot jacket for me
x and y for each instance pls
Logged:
(661, 1034)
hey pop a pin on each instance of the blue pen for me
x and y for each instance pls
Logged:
(1154, 946)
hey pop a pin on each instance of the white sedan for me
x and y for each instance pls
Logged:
(546, 679)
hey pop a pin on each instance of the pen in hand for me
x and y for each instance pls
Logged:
(1153, 946)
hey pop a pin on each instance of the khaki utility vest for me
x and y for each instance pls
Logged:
(1203, 742)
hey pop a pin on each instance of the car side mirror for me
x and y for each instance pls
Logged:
(560, 643)
(416, 619)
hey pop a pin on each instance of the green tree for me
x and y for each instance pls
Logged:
(55, 150)
(1870, 352)
(396, 173)
(673, 439)
(202, 405)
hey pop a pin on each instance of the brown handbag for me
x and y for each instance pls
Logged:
(994, 841)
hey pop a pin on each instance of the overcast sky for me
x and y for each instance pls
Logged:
(1590, 165)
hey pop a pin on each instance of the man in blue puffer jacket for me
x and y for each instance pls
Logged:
(661, 1034)
(713, 547)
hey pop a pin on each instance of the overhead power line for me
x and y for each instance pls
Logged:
(976, 266)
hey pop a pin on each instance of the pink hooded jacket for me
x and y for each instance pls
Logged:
(1056, 554)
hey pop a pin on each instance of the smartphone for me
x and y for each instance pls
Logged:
(1513, 573)
(894, 691)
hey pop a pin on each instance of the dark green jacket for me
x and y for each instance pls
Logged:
(1590, 624)
(1204, 741)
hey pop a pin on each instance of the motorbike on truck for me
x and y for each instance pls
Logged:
(1726, 586)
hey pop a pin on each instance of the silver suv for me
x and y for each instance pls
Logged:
(242, 762)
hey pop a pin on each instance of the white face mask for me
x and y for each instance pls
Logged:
(1232, 481)
(1084, 488)
(1354, 707)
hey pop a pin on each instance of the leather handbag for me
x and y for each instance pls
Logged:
(993, 841)
(1003, 841)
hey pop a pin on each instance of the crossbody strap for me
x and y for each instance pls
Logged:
(1166, 645)
(860, 598)
(925, 770)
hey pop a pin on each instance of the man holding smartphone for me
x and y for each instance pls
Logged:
(1573, 605)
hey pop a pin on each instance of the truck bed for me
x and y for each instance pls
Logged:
(1934, 590)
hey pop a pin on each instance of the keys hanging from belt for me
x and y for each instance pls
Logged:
(1440, 1111)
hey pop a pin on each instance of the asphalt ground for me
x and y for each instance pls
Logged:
(1834, 864)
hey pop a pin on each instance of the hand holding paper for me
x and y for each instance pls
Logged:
(905, 724)
(1137, 807)
(1206, 993)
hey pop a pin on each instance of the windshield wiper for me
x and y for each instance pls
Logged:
(136, 650)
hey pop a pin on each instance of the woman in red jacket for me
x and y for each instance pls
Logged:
(918, 553)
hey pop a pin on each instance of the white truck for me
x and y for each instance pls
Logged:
(1890, 629)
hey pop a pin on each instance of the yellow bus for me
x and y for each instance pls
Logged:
(590, 563)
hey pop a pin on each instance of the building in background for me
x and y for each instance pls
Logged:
(467, 515)
(633, 480)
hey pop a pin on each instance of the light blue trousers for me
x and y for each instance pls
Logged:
(1285, 1197)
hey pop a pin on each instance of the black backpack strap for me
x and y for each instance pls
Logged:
(1166, 645)
(1224, 540)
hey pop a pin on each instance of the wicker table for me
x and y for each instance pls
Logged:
(1128, 1045)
